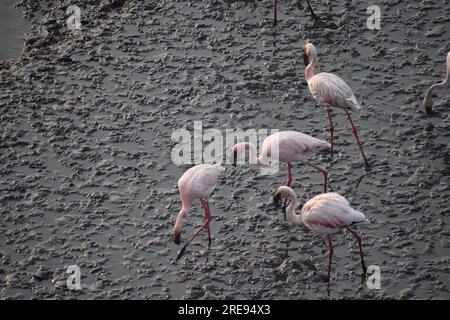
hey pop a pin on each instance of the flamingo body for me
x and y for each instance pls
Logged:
(331, 90)
(330, 212)
(198, 182)
(292, 146)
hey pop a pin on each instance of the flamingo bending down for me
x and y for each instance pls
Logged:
(196, 183)
(331, 90)
(427, 101)
(315, 17)
(326, 213)
(292, 146)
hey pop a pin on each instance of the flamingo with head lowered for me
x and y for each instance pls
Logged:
(326, 213)
(427, 101)
(332, 91)
(198, 182)
(292, 146)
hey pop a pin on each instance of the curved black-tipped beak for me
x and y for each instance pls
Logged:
(305, 59)
(234, 158)
(176, 239)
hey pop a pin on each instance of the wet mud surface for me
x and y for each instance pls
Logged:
(86, 176)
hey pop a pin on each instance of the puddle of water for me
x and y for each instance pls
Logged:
(12, 28)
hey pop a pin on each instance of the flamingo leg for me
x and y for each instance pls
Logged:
(204, 225)
(358, 239)
(274, 13)
(205, 206)
(289, 182)
(324, 172)
(355, 133)
(330, 120)
(330, 258)
(315, 17)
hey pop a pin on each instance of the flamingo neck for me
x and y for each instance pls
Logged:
(290, 210)
(180, 220)
(253, 157)
(309, 71)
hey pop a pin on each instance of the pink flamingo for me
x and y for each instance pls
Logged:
(292, 146)
(315, 17)
(427, 101)
(331, 90)
(326, 213)
(196, 183)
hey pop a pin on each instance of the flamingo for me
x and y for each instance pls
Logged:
(315, 17)
(331, 90)
(196, 183)
(292, 146)
(427, 101)
(326, 213)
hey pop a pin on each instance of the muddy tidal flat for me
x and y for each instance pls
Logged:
(87, 179)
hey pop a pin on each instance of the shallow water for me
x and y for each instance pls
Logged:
(12, 28)
(86, 176)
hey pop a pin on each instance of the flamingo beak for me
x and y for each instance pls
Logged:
(305, 59)
(277, 200)
(177, 239)
(234, 158)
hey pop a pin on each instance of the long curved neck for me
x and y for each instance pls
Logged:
(428, 101)
(241, 147)
(290, 211)
(309, 71)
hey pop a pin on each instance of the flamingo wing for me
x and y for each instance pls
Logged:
(332, 90)
(201, 180)
(328, 212)
(292, 145)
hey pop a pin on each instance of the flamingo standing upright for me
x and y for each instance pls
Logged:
(292, 146)
(427, 101)
(331, 90)
(326, 213)
(196, 183)
(315, 17)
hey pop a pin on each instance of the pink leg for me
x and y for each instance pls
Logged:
(358, 239)
(355, 133)
(205, 206)
(289, 183)
(324, 172)
(330, 258)
(204, 225)
(330, 120)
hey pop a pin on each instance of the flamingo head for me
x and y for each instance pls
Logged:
(309, 53)
(321, 146)
(178, 226)
(283, 192)
(238, 149)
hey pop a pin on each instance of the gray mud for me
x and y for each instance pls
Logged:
(85, 170)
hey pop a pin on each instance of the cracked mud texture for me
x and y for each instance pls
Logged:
(86, 176)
